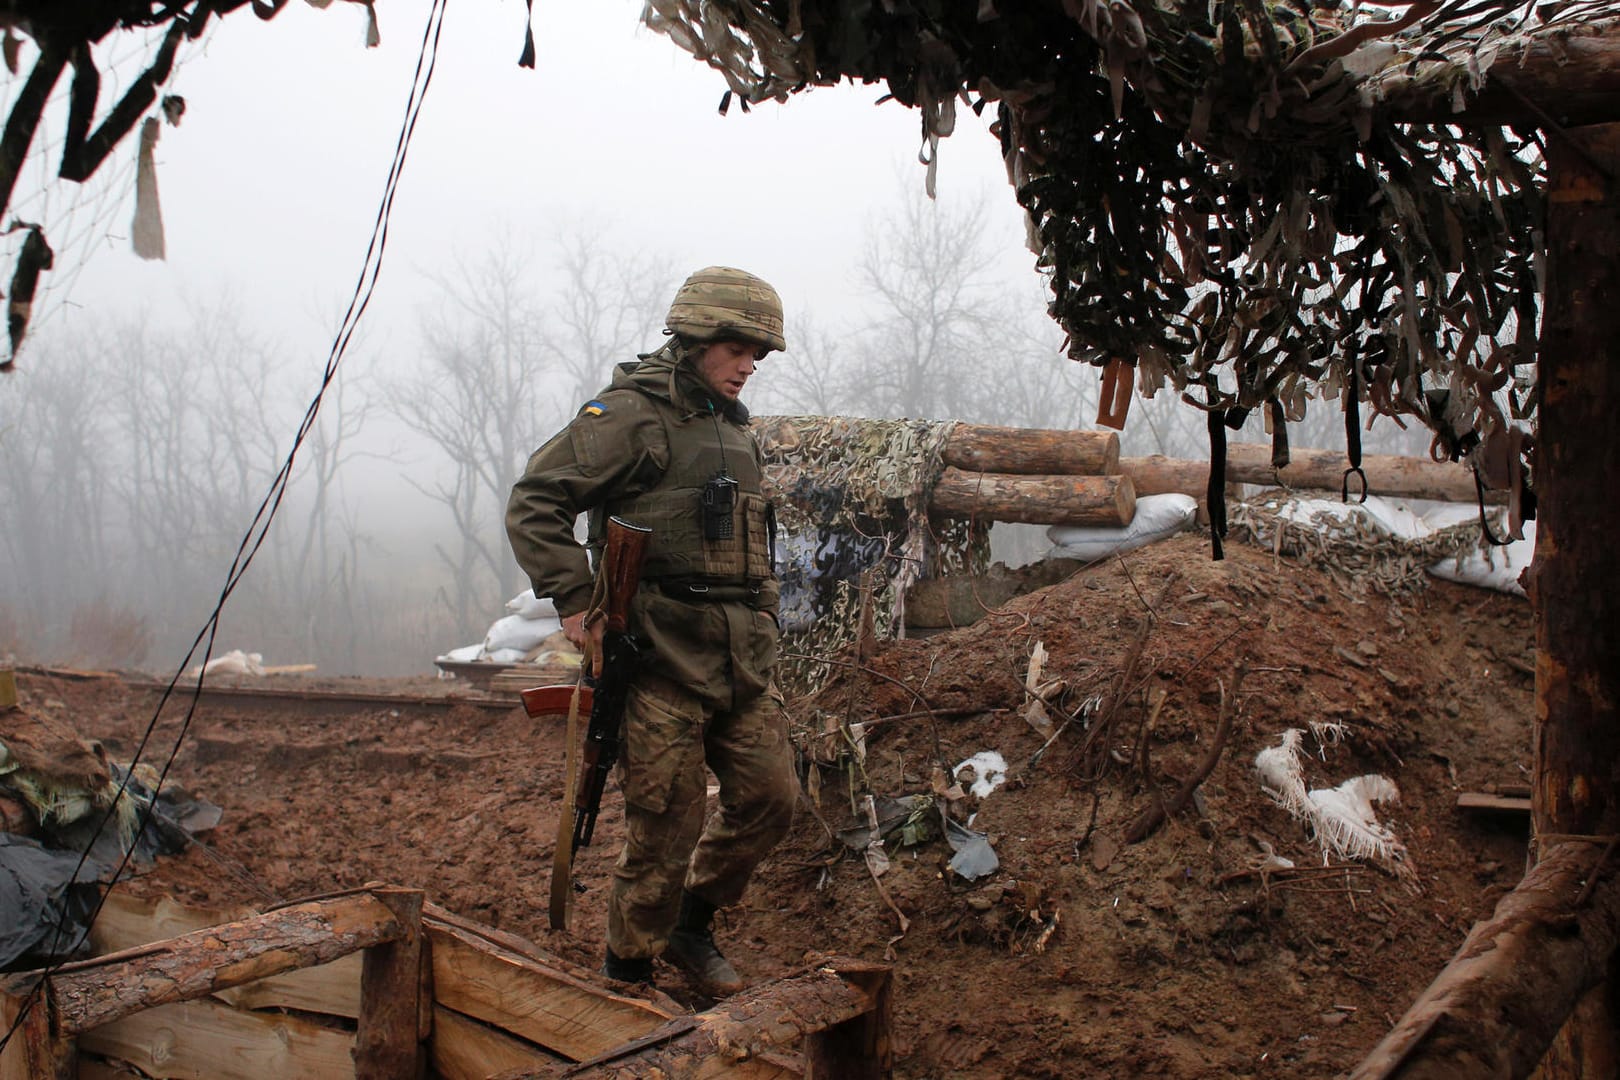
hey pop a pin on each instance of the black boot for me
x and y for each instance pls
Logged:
(691, 948)
(628, 971)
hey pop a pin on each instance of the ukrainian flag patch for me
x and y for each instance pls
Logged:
(594, 408)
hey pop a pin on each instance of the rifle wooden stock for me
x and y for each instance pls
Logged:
(622, 555)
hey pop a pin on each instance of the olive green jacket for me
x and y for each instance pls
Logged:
(618, 446)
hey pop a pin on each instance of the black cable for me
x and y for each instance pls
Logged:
(253, 538)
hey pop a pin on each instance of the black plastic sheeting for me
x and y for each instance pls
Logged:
(45, 906)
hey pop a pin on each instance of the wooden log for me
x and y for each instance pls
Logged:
(205, 1038)
(723, 1040)
(37, 1051)
(518, 994)
(128, 922)
(1495, 1008)
(1108, 501)
(1320, 470)
(1573, 583)
(1571, 74)
(91, 993)
(1031, 451)
(388, 1042)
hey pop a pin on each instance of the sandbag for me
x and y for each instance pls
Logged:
(525, 605)
(514, 632)
(1491, 567)
(1157, 516)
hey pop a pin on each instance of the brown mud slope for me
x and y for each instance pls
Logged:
(1084, 955)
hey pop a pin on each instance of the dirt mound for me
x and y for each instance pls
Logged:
(1084, 953)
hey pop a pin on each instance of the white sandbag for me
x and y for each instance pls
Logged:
(1157, 516)
(235, 662)
(1491, 567)
(464, 655)
(525, 605)
(516, 632)
(506, 656)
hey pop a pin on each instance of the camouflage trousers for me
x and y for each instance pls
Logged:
(669, 738)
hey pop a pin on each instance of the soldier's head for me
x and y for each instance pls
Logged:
(729, 319)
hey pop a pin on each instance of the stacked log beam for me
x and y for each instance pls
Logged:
(1033, 476)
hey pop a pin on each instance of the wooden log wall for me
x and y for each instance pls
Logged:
(431, 991)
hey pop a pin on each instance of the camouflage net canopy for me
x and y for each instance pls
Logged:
(1213, 187)
(852, 507)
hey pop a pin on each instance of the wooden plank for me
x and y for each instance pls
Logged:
(464, 1049)
(716, 1042)
(860, 1048)
(1481, 800)
(206, 1039)
(388, 1042)
(96, 992)
(527, 998)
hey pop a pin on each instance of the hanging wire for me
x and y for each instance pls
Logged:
(258, 529)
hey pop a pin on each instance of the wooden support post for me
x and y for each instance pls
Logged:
(37, 1051)
(1108, 501)
(859, 1048)
(1497, 1007)
(388, 1042)
(1575, 580)
(90, 993)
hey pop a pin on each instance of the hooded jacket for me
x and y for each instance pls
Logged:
(642, 449)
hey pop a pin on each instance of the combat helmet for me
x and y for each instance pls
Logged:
(719, 302)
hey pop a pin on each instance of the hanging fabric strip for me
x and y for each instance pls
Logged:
(1352, 432)
(527, 59)
(1279, 435)
(1215, 492)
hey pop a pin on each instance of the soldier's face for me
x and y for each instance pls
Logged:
(724, 366)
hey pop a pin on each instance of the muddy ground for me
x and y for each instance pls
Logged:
(1084, 954)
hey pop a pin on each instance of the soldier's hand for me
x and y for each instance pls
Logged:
(577, 633)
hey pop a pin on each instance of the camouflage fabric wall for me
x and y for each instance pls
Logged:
(852, 496)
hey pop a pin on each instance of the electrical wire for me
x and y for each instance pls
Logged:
(258, 528)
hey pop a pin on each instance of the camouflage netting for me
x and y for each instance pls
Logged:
(852, 497)
(1353, 548)
(1212, 186)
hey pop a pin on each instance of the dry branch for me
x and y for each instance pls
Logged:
(1158, 811)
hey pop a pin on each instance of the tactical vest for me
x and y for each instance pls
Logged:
(700, 446)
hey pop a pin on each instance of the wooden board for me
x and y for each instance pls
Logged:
(464, 1049)
(205, 1038)
(522, 996)
(1483, 800)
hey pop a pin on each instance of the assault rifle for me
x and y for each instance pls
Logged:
(604, 696)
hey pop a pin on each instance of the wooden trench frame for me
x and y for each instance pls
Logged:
(267, 995)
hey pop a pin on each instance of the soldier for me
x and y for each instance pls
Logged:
(667, 447)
